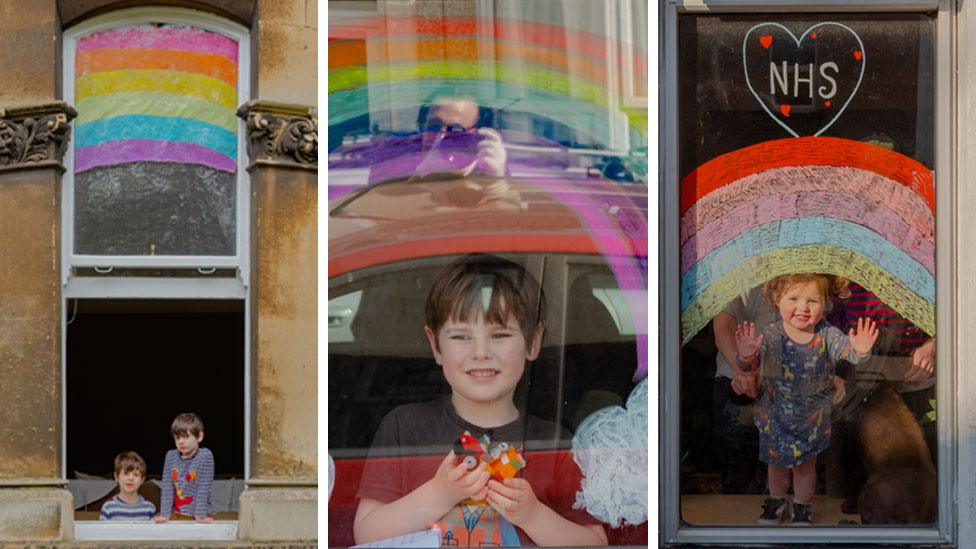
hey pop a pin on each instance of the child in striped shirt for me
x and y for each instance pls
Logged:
(188, 473)
(130, 473)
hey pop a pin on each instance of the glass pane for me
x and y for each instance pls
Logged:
(385, 370)
(807, 204)
(489, 127)
(155, 143)
(546, 77)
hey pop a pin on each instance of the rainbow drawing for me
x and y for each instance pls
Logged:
(808, 204)
(147, 93)
(555, 75)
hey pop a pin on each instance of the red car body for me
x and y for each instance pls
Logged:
(403, 221)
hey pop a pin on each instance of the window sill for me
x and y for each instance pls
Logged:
(142, 530)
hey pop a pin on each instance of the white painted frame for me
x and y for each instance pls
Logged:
(160, 287)
(150, 286)
(952, 456)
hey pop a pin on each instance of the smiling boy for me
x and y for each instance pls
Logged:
(484, 320)
(188, 473)
(130, 473)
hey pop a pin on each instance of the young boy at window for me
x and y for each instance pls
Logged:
(130, 473)
(188, 472)
(484, 319)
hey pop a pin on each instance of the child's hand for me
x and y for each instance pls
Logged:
(453, 481)
(747, 342)
(514, 499)
(204, 519)
(160, 518)
(864, 336)
(840, 389)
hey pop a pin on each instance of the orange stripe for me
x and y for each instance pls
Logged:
(354, 53)
(516, 243)
(806, 151)
(347, 54)
(208, 64)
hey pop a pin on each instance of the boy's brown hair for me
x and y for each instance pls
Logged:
(186, 424)
(458, 293)
(129, 460)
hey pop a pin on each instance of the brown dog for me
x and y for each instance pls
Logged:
(901, 481)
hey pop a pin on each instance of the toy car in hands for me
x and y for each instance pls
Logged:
(501, 459)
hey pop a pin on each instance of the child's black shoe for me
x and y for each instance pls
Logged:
(773, 511)
(802, 514)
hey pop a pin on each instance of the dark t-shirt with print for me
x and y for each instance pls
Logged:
(413, 439)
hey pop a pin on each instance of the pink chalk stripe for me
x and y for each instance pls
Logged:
(149, 150)
(861, 210)
(900, 199)
(166, 38)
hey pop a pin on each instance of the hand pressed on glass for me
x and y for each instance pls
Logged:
(863, 336)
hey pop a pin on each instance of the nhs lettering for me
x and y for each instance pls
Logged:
(781, 77)
(806, 81)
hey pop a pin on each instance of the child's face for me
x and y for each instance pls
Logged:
(129, 481)
(483, 362)
(801, 306)
(187, 444)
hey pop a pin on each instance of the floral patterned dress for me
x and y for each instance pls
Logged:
(793, 410)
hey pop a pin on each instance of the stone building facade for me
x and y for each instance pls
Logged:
(280, 129)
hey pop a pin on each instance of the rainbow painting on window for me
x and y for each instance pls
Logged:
(156, 141)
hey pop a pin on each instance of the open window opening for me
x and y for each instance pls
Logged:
(131, 367)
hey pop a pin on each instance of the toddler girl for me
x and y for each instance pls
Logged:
(798, 386)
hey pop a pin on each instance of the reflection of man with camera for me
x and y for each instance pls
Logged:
(453, 144)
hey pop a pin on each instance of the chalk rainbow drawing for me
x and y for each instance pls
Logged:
(156, 94)
(554, 74)
(808, 204)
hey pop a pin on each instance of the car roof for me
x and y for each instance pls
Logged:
(402, 219)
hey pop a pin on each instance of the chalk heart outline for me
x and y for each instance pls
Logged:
(863, 60)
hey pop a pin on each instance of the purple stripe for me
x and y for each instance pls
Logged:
(167, 38)
(616, 246)
(141, 150)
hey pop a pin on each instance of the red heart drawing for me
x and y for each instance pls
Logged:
(763, 73)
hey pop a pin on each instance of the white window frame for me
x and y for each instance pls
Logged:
(75, 287)
(98, 287)
(950, 494)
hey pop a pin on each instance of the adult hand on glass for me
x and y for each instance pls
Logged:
(160, 518)
(746, 383)
(513, 499)
(923, 363)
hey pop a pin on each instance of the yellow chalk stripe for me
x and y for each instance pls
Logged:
(807, 259)
(204, 87)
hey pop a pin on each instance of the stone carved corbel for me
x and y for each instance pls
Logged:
(281, 135)
(34, 136)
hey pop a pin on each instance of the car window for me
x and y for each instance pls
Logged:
(342, 312)
(615, 300)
